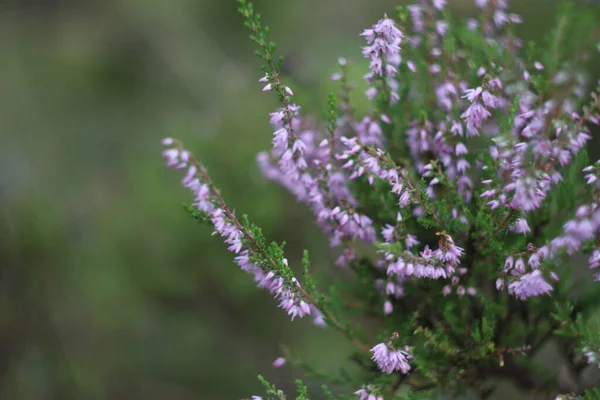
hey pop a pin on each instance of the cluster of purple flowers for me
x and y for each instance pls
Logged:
(591, 356)
(511, 175)
(308, 172)
(390, 360)
(384, 51)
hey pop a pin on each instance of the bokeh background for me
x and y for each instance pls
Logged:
(108, 290)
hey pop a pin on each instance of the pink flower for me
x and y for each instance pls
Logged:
(390, 361)
(529, 285)
(279, 362)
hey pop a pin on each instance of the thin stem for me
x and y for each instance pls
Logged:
(507, 218)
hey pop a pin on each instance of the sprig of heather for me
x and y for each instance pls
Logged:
(288, 147)
(383, 48)
(305, 156)
(271, 271)
(266, 262)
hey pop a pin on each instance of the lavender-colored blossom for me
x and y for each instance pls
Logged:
(368, 393)
(388, 308)
(441, 27)
(481, 102)
(390, 360)
(439, 4)
(279, 362)
(448, 252)
(530, 285)
(472, 24)
(383, 49)
(521, 226)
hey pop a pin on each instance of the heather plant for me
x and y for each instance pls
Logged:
(468, 175)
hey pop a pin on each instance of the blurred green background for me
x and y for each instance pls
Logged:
(108, 289)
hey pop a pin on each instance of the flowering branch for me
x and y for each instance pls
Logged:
(253, 256)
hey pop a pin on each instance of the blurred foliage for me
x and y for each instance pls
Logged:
(108, 289)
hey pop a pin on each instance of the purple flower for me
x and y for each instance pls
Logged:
(499, 284)
(279, 362)
(368, 393)
(472, 24)
(388, 308)
(388, 233)
(520, 226)
(441, 27)
(389, 360)
(439, 4)
(293, 304)
(481, 102)
(410, 241)
(529, 285)
(448, 252)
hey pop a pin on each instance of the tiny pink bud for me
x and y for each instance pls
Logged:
(388, 308)
(280, 362)
(515, 18)
(499, 284)
(185, 156)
